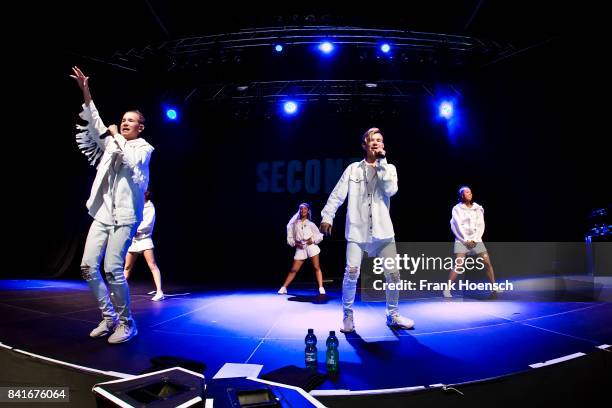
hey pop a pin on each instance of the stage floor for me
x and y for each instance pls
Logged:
(454, 340)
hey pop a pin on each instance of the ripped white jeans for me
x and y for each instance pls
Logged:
(354, 254)
(110, 242)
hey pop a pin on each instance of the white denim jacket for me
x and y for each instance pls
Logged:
(131, 166)
(368, 216)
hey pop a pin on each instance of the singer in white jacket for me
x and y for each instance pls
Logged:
(303, 235)
(142, 243)
(369, 186)
(468, 225)
(115, 204)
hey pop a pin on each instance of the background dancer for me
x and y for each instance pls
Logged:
(304, 235)
(142, 243)
(468, 225)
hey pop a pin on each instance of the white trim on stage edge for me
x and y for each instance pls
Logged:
(557, 360)
(309, 396)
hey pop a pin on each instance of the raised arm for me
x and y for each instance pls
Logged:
(88, 138)
(83, 82)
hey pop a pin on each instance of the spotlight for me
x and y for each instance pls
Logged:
(326, 47)
(290, 107)
(171, 114)
(445, 110)
(449, 111)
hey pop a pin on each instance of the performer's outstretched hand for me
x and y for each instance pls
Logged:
(80, 77)
(83, 82)
(325, 228)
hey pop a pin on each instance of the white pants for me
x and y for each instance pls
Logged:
(354, 254)
(110, 242)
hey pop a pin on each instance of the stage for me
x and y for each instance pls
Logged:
(454, 340)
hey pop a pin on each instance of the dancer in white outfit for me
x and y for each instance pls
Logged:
(143, 244)
(468, 225)
(304, 235)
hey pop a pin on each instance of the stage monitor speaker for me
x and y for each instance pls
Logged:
(172, 387)
(248, 392)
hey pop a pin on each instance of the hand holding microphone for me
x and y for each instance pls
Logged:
(112, 129)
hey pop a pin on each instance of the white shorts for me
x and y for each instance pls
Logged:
(141, 245)
(460, 248)
(308, 252)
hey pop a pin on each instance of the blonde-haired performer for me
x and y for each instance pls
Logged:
(116, 203)
(369, 186)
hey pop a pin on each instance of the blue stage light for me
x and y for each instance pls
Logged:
(326, 47)
(446, 110)
(171, 114)
(290, 107)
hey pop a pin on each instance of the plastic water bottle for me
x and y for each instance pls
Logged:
(332, 356)
(311, 349)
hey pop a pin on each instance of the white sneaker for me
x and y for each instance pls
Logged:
(400, 322)
(321, 290)
(158, 296)
(282, 291)
(103, 329)
(348, 324)
(447, 294)
(123, 333)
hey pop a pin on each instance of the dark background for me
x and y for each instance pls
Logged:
(532, 145)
